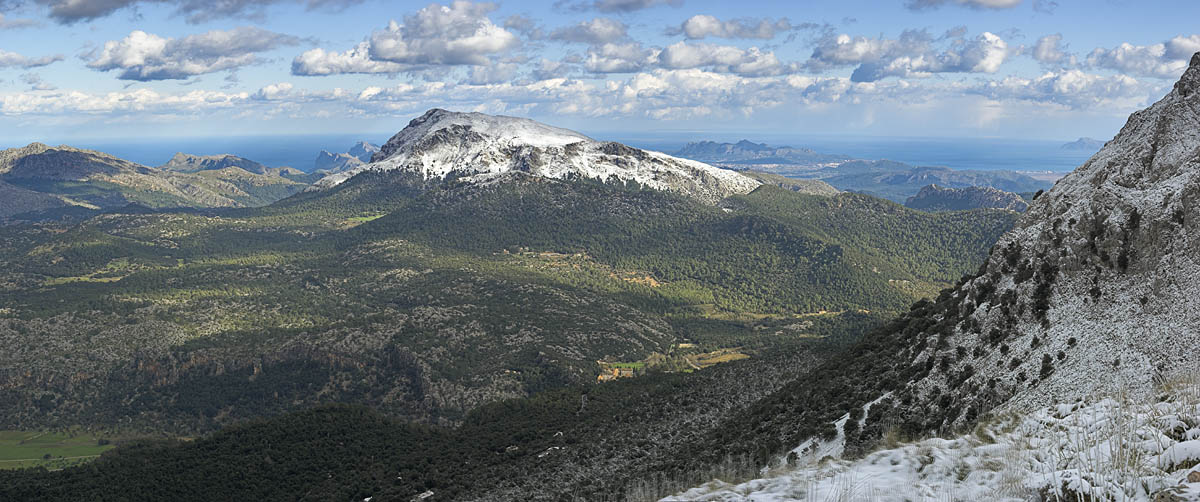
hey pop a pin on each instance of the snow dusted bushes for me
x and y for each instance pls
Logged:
(1112, 449)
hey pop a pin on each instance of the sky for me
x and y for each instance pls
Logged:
(1033, 69)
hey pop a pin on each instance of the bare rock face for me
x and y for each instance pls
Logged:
(1097, 289)
(478, 147)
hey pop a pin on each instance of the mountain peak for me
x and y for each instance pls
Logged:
(1190, 82)
(475, 146)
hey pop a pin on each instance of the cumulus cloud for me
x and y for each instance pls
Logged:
(319, 62)
(913, 54)
(12, 59)
(1164, 60)
(436, 36)
(493, 74)
(618, 58)
(598, 31)
(974, 4)
(145, 56)
(1051, 50)
(703, 26)
(195, 11)
(1070, 88)
(720, 58)
(458, 34)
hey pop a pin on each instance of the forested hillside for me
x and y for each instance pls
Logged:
(427, 300)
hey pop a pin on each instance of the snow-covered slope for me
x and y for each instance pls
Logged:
(478, 146)
(1103, 450)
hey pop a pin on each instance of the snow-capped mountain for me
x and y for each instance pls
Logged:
(478, 146)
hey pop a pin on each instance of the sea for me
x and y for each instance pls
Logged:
(957, 153)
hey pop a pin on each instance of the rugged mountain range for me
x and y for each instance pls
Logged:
(475, 147)
(748, 152)
(43, 178)
(358, 155)
(936, 198)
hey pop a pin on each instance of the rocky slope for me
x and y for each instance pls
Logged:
(1102, 266)
(476, 147)
(937, 198)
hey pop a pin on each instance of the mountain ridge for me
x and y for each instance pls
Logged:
(476, 146)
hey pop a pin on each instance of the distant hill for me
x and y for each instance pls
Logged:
(810, 187)
(187, 163)
(936, 198)
(898, 181)
(1084, 145)
(889, 179)
(39, 177)
(747, 152)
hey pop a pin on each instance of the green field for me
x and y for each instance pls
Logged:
(52, 450)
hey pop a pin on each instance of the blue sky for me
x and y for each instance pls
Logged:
(86, 69)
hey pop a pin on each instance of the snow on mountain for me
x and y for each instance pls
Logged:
(1103, 267)
(1107, 449)
(476, 146)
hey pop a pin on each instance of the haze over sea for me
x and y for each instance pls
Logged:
(957, 153)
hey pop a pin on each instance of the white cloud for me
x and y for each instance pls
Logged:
(703, 26)
(913, 54)
(146, 56)
(12, 59)
(1182, 47)
(1070, 88)
(1140, 60)
(139, 101)
(435, 36)
(720, 58)
(598, 31)
(618, 58)
(458, 34)
(1050, 50)
(317, 62)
